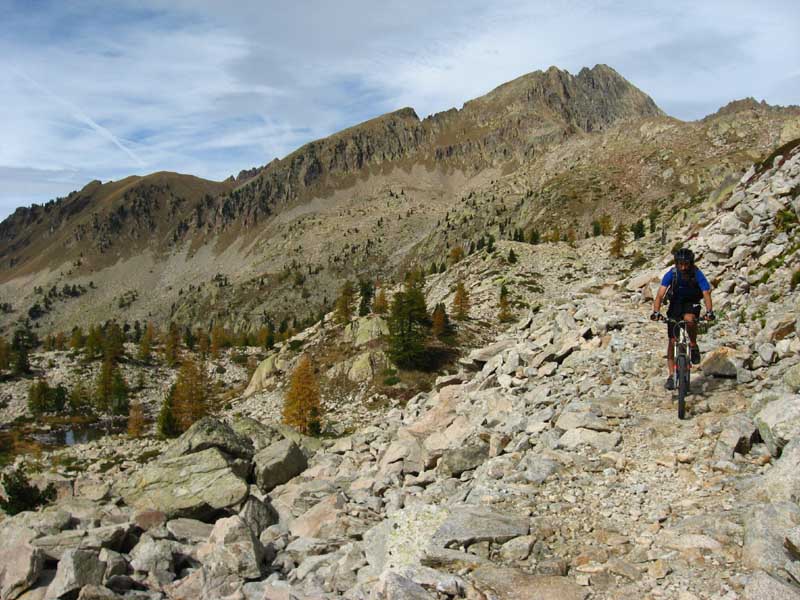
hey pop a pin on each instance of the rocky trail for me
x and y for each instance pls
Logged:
(551, 466)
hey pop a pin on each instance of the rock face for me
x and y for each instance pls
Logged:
(779, 422)
(190, 486)
(76, 569)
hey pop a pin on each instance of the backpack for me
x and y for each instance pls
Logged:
(670, 293)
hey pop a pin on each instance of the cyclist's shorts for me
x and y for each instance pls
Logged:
(677, 310)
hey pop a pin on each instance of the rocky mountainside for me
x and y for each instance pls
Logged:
(550, 465)
(548, 150)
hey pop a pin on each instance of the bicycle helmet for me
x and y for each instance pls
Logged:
(684, 255)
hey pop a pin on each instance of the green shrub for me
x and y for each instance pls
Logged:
(239, 358)
(391, 380)
(295, 345)
(20, 495)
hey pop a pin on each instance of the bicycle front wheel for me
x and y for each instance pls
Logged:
(683, 384)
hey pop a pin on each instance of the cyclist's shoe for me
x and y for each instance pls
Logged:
(670, 383)
(695, 355)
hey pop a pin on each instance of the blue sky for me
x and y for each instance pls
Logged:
(101, 90)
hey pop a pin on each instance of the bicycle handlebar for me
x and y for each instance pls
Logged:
(700, 319)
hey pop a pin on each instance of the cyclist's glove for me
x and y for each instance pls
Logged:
(655, 316)
(711, 316)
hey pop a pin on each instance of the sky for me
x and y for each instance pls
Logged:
(106, 89)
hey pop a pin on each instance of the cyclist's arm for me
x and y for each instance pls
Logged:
(707, 300)
(660, 298)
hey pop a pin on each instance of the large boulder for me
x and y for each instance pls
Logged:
(765, 530)
(792, 378)
(76, 569)
(457, 460)
(599, 440)
(277, 464)
(259, 434)
(20, 567)
(187, 486)
(366, 365)
(265, 370)
(210, 433)
(781, 482)
(779, 422)
(234, 549)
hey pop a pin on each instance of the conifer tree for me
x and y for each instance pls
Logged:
(113, 342)
(512, 257)
(192, 394)
(460, 306)
(76, 338)
(136, 421)
(172, 343)
(638, 229)
(605, 224)
(343, 311)
(440, 323)
(652, 216)
(455, 255)
(78, 399)
(189, 340)
(103, 387)
(118, 401)
(20, 347)
(5, 355)
(380, 306)
(617, 249)
(535, 237)
(408, 322)
(146, 342)
(366, 291)
(219, 340)
(94, 343)
(301, 408)
(167, 424)
(60, 341)
(505, 313)
(203, 343)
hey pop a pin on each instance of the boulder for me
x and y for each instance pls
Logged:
(365, 366)
(190, 486)
(792, 378)
(20, 567)
(514, 584)
(763, 586)
(736, 436)
(259, 434)
(467, 525)
(482, 355)
(779, 422)
(536, 468)
(265, 370)
(232, 548)
(258, 514)
(98, 592)
(575, 438)
(572, 420)
(277, 464)
(210, 433)
(76, 569)
(321, 520)
(455, 461)
(152, 555)
(765, 529)
(781, 482)
(723, 362)
(393, 586)
(189, 530)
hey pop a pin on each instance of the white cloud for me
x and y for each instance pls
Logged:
(200, 87)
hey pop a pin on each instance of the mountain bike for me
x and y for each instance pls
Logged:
(681, 359)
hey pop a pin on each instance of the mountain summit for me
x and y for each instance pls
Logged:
(548, 151)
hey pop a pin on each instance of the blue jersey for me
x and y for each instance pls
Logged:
(686, 288)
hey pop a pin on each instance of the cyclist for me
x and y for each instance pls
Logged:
(687, 286)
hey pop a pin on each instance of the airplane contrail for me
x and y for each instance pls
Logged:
(84, 118)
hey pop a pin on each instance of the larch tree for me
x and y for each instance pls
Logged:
(192, 394)
(136, 421)
(460, 307)
(301, 407)
(617, 249)
(380, 305)
(343, 310)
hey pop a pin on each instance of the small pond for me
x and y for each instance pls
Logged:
(30, 438)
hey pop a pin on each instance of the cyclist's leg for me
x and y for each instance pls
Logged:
(670, 356)
(691, 327)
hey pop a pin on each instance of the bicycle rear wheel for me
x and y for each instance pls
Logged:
(683, 384)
